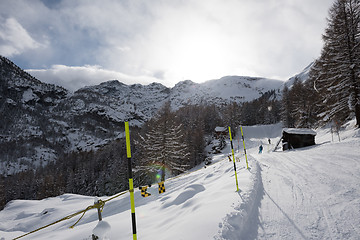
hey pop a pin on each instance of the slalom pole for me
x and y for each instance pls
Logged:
(131, 183)
(242, 135)
(232, 150)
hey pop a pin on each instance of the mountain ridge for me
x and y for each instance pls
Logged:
(42, 121)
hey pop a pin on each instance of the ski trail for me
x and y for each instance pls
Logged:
(326, 216)
(309, 197)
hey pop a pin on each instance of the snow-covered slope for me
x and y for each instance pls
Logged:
(222, 91)
(26, 129)
(303, 76)
(118, 102)
(308, 193)
(138, 103)
(195, 206)
(314, 192)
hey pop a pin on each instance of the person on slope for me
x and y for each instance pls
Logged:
(260, 148)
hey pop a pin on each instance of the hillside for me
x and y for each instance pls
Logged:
(27, 125)
(303, 76)
(309, 193)
(42, 121)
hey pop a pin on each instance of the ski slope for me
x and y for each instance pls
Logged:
(309, 196)
(313, 192)
(309, 193)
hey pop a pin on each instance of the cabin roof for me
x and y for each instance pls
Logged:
(299, 131)
(220, 129)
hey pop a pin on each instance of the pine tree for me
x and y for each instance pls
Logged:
(232, 115)
(336, 73)
(163, 145)
(194, 120)
(302, 101)
(2, 192)
(286, 107)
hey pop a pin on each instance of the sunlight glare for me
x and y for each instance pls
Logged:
(199, 56)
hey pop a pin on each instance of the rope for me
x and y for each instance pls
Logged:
(100, 204)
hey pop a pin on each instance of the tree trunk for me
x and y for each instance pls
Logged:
(357, 114)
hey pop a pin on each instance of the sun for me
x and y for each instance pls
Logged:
(192, 48)
(199, 56)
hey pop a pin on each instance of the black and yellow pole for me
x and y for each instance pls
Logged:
(131, 183)
(242, 135)
(233, 155)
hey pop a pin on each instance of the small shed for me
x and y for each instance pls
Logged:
(221, 131)
(297, 138)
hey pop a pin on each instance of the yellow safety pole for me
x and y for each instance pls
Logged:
(233, 155)
(242, 135)
(131, 183)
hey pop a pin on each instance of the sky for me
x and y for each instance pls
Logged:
(86, 42)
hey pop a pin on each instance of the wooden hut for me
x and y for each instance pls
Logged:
(221, 132)
(297, 138)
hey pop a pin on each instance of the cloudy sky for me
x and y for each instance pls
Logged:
(74, 43)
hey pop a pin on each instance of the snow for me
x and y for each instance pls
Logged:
(101, 230)
(41, 157)
(224, 90)
(10, 101)
(29, 95)
(220, 129)
(84, 142)
(302, 131)
(307, 193)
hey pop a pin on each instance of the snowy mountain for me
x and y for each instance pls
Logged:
(303, 76)
(138, 103)
(41, 121)
(307, 193)
(27, 129)
(222, 91)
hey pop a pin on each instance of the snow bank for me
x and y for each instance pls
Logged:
(242, 223)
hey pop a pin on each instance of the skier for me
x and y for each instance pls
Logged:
(260, 148)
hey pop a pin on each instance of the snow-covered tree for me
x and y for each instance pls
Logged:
(299, 105)
(195, 120)
(163, 147)
(336, 74)
(286, 107)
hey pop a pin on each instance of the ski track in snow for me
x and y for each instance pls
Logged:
(307, 196)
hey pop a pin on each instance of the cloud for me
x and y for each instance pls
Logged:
(76, 77)
(200, 40)
(166, 40)
(14, 39)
